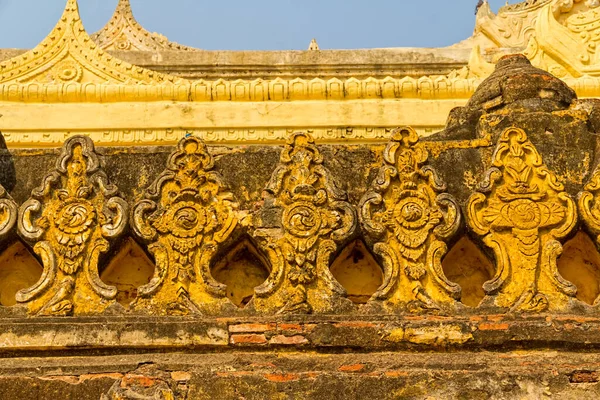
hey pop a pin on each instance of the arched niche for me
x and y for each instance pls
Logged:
(129, 269)
(19, 269)
(580, 264)
(358, 272)
(468, 266)
(242, 269)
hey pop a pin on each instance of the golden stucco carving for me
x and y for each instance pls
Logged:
(589, 208)
(123, 32)
(412, 217)
(522, 211)
(68, 66)
(70, 219)
(185, 215)
(305, 217)
(170, 136)
(8, 213)
(559, 36)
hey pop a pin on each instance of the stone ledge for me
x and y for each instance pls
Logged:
(251, 375)
(316, 332)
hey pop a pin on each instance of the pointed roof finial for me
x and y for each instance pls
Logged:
(67, 57)
(314, 46)
(123, 32)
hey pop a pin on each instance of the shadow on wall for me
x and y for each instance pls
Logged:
(8, 174)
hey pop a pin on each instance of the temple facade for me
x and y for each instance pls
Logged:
(178, 223)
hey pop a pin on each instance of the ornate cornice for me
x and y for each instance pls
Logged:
(123, 32)
(69, 66)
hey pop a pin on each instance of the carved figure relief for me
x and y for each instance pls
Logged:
(408, 212)
(185, 215)
(70, 219)
(522, 211)
(304, 218)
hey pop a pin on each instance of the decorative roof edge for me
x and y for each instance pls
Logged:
(123, 32)
(68, 64)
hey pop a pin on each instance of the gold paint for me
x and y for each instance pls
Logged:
(358, 272)
(580, 264)
(522, 211)
(442, 335)
(314, 217)
(187, 212)
(560, 37)
(395, 335)
(8, 213)
(589, 208)
(70, 218)
(411, 216)
(437, 148)
(128, 270)
(123, 33)
(18, 270)
(68, 67)
(466, 265)
(242, 270)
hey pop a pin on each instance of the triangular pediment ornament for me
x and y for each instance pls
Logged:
(68, 66)
(123, 32)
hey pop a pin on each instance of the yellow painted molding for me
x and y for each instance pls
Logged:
(122, 124)
(69, 66)
(123, 32)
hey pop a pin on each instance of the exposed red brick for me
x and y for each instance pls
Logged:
(584, 377)
(351, 368)
(89, 377)
(282, 377)
(291, 327)
(395, 374)
(289, 340)
(248, 339)
(493, 327)
(251, 328)
(138, 380)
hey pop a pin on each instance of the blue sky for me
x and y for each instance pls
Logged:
(262, 24)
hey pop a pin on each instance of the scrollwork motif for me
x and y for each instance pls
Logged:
(8, 213)
(589, 207)
(185, 215)
(70, 219)
(314, 217)
(408, 211)
(522, 211)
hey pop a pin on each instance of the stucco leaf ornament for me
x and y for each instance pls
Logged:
(409, 213)
(186, 213)
(315, 217)
(70, 219)
(522, 211)
(589, 207)
(8, 214)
